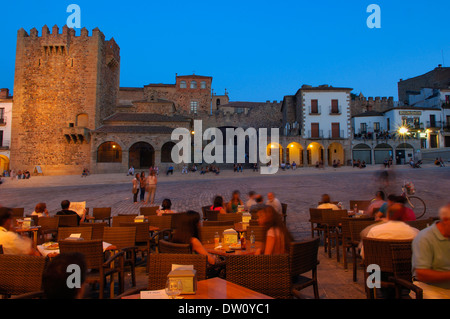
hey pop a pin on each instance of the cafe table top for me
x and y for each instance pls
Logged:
(217, 288)
(222, 252)
(54, 252)
(431, 291)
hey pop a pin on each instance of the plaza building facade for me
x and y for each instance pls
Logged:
(6, 103)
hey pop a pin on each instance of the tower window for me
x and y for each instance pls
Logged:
(194, 106)
(193, 84)
(203, 84)
(183, 84)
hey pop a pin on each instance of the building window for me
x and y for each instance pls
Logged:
(376, 127)
(388, 124)
(203, 85)
(239, 110)
(193, 84)
(194, 106)
(109, 152)
(183, 84)
(363, 128)
(217, 102)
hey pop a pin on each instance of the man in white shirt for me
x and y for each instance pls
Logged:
(13, 243)
(326, 203)
(274, 202)
(251, 200)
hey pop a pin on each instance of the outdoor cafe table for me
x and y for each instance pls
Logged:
(210, 248)
(217, 288)
(54, 252)
(432, 292)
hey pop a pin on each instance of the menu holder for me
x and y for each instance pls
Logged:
(230, 236)
(246, 218)
(187, 275)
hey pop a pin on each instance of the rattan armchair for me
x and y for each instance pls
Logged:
(97, 229)
(102, 213)
(116, 220)
(95, 261)
(378, 252)
(48, 226)
(148, 211)
(212, 214)
(166, 247)
(284, 211)
(315, 218)
(303, 258)
(421, 223)
(207, 233)
(258, 231)
(142, 236)
(67, 220)
(266, 274)
(162, 222)
(332, 223)
(208, 223)
(18, 212)
(65, 232)
(234, 217)
(21, 274)
(401, 261)
(356, 226)
(160, 266)
(124, 239)
(361, 204)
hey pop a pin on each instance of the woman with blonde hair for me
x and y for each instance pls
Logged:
(278, 238)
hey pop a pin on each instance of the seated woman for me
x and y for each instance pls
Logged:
(189, 233)
(218, 205)
(165, 208)
(40, 210)
(232, 206)
(278, 238)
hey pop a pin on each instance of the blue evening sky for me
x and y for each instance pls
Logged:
(257, 50)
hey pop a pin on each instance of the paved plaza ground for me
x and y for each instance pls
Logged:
(300, 189)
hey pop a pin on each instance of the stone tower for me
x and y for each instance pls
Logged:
(64, 86)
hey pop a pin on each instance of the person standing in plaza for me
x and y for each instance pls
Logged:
(142, 182)
(136, 186)
(152, 180)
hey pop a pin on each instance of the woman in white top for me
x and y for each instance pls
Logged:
(40, 210)
(152, 180)
(278, 238)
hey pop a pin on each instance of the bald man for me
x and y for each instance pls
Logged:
(431, 252)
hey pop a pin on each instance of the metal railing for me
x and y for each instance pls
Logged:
(340, 134)
(315, 134)
(434, 124)
(335, 110)
(316, 111)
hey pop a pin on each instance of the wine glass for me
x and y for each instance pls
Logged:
(173, 288)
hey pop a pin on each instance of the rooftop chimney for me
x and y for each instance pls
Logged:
(4, 93)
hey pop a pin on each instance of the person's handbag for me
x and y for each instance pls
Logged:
(135, 190)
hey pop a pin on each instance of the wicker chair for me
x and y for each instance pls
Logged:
(165, 247)
(64, 232)
(207, 233)
(303, 258)
(102, 213)
(421, 223)
(356, 226)
(95, 261)
(116, 220)
(204, 209)
(267, 274)
(48, 226)
(258, 231)
(332, 222)
(67, 221)
(211, 214)
(378, 252)
(161, 266)
(97, 229)
(284, 211)
(176, 220)
(401, 260)
(124, 238)
(346, 239)
(234, 217)
(148, 211)
(142, 236)
(21, 274)
(361, 204)
(162, 222)
(34, 218)
(18, 212)
(315, 218)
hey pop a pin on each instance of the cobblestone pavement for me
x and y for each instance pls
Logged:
(300, 190)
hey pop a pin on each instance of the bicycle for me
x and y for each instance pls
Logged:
(417, 204)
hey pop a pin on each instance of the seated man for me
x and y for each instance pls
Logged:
(400, 211)
(274, 202)
(375, 204)
(55, 279)
(13, 243)
(65, 204)
(170, 170)
(431, 252)
(326, 203)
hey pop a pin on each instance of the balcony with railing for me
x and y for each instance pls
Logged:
(2, 120)
(434, 124)
(315, 110)
(336, 134)
(446, 126)
(315, 134)
(335, 110)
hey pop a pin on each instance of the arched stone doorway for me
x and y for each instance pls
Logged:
(141, 155)
(272, 147)
(109, 152)
(314, 153)
(294, 153)
(4, 164)
(336, 153)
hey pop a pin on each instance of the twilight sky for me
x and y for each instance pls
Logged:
(257, 50)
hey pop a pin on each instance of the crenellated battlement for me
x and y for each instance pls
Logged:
(55, 33)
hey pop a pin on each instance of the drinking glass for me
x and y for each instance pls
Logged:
(173, 288)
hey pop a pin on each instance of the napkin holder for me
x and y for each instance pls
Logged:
(240, 208)
(246, 218)
(139, 219)
(230, 236)
(188, 278)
